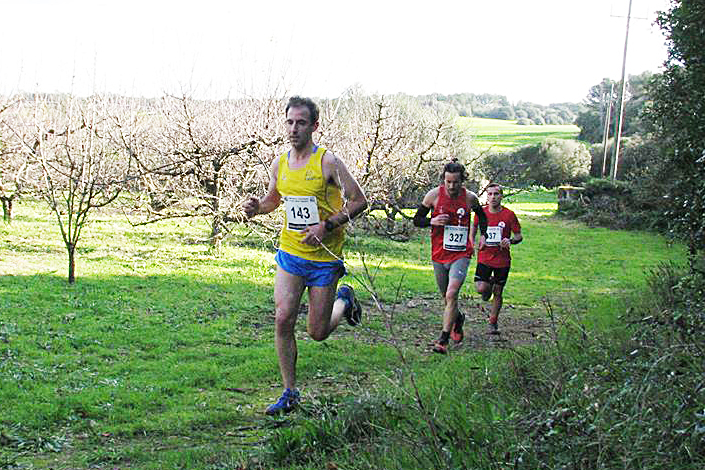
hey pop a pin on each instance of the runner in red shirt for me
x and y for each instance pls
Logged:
(451, 248)
(494, 260)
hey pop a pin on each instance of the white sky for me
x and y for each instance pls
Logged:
(544, 51)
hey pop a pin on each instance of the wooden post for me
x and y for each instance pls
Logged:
(620, 116)
(606, 131)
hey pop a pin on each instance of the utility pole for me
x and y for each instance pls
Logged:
(606, 130)
(620, 107)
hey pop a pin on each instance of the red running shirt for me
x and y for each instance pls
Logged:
(460, 244)
(506, 222)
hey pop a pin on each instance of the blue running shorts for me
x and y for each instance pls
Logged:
(315, 273)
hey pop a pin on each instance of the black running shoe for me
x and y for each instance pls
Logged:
(440, 348)
(353, 310)
(493, 329)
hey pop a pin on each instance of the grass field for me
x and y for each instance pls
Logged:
(162, 355)
(498, 136)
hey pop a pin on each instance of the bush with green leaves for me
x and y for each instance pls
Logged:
(539, 120)
(631, 397)
(549, 164)
(504, 167)
(617, 204)
(678, 117)
(637, 157)
(555, 162)
(599, 161)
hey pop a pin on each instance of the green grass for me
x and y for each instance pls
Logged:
(162, 356)
(497, 135)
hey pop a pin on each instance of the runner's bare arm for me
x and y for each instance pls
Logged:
(355, 200)
(516, 238)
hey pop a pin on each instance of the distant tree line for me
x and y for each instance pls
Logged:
(499, 107)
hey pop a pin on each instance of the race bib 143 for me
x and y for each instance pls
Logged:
(301, 211)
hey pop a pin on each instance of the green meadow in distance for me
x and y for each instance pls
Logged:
(498, 135)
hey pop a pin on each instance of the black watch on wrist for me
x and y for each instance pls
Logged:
(329, 225)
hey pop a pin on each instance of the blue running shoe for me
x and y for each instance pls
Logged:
(286, 403)
(353, 310)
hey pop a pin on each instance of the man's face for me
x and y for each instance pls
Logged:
(452, 182)
(299, 126)
(494, 196)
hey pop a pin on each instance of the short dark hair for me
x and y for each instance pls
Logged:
(297, 101)
(495, 185)
(454, 167)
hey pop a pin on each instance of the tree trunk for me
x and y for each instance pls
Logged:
(391, 219)
(72, 262)
(218, 228)
(7, 209)
(217, 231)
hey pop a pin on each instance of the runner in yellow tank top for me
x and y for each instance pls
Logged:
(297, 187)
(309, 181)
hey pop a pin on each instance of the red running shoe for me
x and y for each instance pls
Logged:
(456, 334)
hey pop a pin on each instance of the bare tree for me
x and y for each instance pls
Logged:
(202, 157)
(394, 148)
(12, 164)
(72, 142)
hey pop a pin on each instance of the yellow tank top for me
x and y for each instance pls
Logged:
(297, 185)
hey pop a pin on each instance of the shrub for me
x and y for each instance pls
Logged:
(591, 127)
(506, 168)
(557, 161)
(637, 158)
(616, 204)
(549, 164)
(523, 121)
(597, 159)
(629, 397)
(677, 116)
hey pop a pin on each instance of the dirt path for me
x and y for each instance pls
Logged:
(417, 323)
